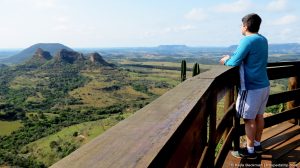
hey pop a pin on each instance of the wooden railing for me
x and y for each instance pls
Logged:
(180, 128)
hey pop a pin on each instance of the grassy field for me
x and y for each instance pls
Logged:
(7, 127)
(26, 81)
(277, 87)
(158, 63)
(95, 93)
(87, 131)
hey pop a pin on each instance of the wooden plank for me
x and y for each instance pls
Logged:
(291, 158)
(271, 143)
(195, 135)
(280, 150)
(228, 99)
(283, 63)
(283, 131)
(237, 130)
(215, 72)
(212, 131)
(283, 97)
(225, 123)
(231, 161)
(224, 149)
(282, 72)
(276, 119)
(281, 117)
(202, 161)
(275, 130)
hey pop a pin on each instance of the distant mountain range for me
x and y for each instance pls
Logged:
(290, 48)
(162, 50)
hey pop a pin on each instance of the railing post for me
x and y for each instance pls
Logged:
(212, 129)
(236, 126)
(236, 138)
(228, 100)
(294, 83)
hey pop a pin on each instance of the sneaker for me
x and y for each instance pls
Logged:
(243, 153)
(258, 149)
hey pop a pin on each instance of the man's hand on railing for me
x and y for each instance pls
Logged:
(224, 59)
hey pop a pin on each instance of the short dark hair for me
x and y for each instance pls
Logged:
(252, 21)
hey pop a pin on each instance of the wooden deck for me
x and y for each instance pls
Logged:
(281, 145)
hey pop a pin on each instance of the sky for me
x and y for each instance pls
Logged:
(142, 23)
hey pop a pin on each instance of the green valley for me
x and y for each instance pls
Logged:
(50, 107)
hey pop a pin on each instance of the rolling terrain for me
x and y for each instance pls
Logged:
(51, 105)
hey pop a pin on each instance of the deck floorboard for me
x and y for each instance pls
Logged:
(282, 149)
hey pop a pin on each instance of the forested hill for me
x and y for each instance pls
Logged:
(25, 54)
(64, 57)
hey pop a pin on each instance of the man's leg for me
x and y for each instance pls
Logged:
(248, 153)
(260, 123)
(250, 129)
(259, 129)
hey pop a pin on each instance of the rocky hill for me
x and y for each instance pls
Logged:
(40, 57)
(96, 58)
(67, 56)
(64, 57)
(27, 53)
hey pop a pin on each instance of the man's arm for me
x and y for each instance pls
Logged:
(224, 59)
(238, 56)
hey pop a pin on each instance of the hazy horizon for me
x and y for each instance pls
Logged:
(120, 47)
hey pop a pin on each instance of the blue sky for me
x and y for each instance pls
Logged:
(139, 23)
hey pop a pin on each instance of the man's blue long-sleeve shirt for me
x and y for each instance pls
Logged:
(252, 57)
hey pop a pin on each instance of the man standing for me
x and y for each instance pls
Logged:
(251, 56)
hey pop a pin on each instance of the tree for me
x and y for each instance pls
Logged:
(196, 69)
(183, 70)
(53, 144)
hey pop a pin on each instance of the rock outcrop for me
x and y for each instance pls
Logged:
(67, 56)
(96, 58)
(42, 55)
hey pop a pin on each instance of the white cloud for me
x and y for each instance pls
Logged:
(285, 32)
(61, 23)
(61, 27)
(62, 19)
(237, 6)
(178, 29)
(285, 20)
(196, 14)
(187, 27)
(168, 30)
(44, 3)
(289, 35)
(277, 5)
